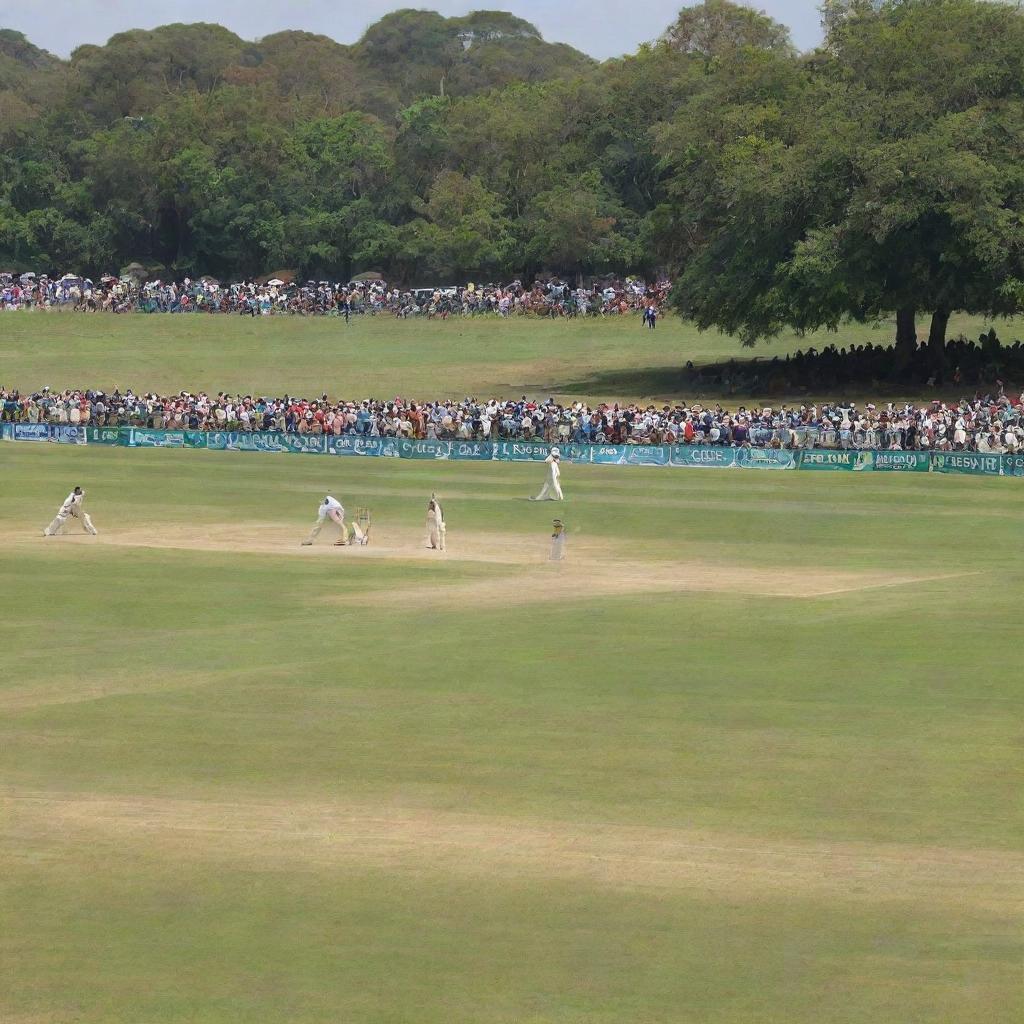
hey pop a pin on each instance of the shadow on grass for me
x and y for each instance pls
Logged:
(959, 368)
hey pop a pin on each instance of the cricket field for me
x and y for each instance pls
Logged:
(750, 754)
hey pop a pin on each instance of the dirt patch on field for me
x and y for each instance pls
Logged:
(593, 566)
(320, 835)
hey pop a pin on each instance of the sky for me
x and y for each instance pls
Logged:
(602, 28)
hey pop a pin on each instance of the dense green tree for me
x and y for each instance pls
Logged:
(717, 28)
(883, 174)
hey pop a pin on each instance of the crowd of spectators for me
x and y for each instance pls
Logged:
(545, 298)
(990, 423)
(966, 366)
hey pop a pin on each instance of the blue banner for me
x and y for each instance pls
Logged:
(31, 432)
(67, 434)
(6, 431)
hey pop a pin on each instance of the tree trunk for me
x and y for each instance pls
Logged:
(906, 330)
(906, 342)
(937, 344)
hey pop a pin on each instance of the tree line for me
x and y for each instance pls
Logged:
(882, 172)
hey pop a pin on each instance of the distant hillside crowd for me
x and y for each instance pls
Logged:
(550, 298)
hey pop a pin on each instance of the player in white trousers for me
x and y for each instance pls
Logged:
(71, 509)
(552, 489)
(436, 527)
(331, 510)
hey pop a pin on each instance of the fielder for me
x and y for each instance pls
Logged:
(71, 509)
(331, 510)
(436, 527)
(552, 489)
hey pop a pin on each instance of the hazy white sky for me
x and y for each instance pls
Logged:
(602, 28)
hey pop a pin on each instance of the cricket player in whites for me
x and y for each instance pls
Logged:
(552, 489)
(331, 510)
(436, 528)
(71, 509)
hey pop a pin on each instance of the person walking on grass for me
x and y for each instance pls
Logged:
(552, 489)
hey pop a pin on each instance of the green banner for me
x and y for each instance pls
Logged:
(828, 459)
(1013, 465)
(702, 457)
(973, 463)
(103, 435)
(902, 462)
(765, 458)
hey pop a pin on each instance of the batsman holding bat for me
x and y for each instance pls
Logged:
(71, 509)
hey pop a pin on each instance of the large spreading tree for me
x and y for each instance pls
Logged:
(883, 173)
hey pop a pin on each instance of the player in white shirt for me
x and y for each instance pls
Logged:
(552, 489)
(436, 528)
(331, 510)
(71, 509)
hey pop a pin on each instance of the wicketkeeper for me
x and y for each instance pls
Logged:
(557, 541)
(71, 509)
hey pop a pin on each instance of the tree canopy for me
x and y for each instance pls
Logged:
(880, 173)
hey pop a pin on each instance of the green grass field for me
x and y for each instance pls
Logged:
(613, 359)
(749, 755)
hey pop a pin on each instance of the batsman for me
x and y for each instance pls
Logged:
(436, 527)
(71, 509)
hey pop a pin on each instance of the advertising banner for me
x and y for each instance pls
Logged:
(472, 451)
(967, 462)
(522, 451)
(625, 454)
(703, 457)
(68, 434)
(303, 444)
(31, 432)
(1013, 465)
(836, 460)
(142, 437)
(103, 435)
(349, 445)
(684, 456)
(765, 458)
(426, 449)
(902, 462)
